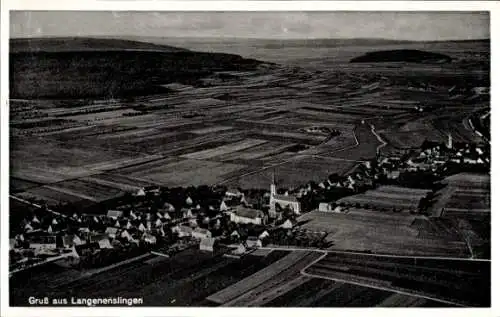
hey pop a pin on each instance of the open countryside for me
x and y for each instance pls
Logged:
(202, 173)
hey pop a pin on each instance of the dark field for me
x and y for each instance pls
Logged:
(459, 281)
(185, 279)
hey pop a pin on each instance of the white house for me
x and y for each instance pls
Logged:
(287, 224)
(247, 215)
(111, 232)
(207, 244)
(149, 238)
(253, 242)
(325, 207)
(182, 231)
(201, 233)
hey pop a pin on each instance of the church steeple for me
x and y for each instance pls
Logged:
(273, 187)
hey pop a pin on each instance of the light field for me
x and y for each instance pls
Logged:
(225, 149)
(372, 231)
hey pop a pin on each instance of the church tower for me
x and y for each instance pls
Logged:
(272, 202)
(449, 145)
(273, 187)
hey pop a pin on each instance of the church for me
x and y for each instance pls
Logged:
(282, 201)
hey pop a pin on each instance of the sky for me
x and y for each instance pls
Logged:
(422, 26)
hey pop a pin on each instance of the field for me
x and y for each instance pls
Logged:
(185, 279)
(387, 198)
(457, 281)
(465, 196)
(239, 126)
(380, 232)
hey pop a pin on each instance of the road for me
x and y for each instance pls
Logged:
(379, 138)
(37, 206)
(285, 248)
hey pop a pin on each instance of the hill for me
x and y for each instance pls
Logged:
(404, 55)
(70, 44)
(107, 68)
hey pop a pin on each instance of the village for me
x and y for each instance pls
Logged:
(233, 221)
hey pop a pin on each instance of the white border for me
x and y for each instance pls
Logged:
(161, 5)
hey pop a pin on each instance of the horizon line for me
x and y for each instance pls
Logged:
(246, 38)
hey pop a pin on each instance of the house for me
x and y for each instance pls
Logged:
(43, 244)
(158, 223)
(85, 250)
(28, 228)
(207, 244)
(168, 207)
(240, 249)
(325, 207)
(182, 231)
(111, 232)
(187, 213)
(141, 227)
(105, 244)
(253, 242)
(126, 235)
(149, 238)
(70, 240)
(133, 215)
(233, 193)
(200, 233)
(140, 192)
(193, 223)
(98, 237)
(189, 201)
(287, 224)
(153, 189)
(264, 235)
(114, 214)
(247, 215)
(393, 174)
(70, 260)
(128, 225)
(223, 207)
(234, 235)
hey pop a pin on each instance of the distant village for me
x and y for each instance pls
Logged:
(233, 221)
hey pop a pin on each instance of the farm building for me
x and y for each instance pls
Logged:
(207, 244)
(247, 215)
